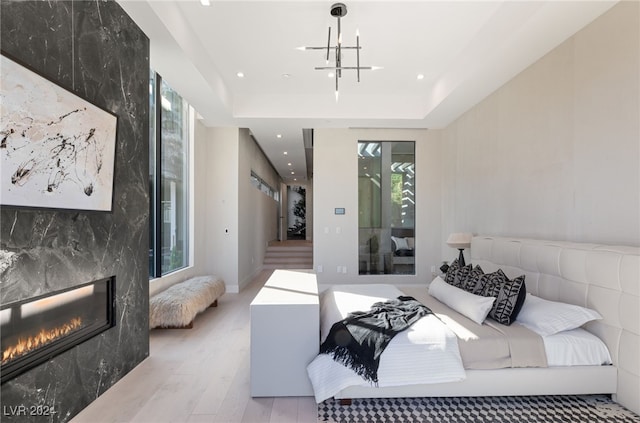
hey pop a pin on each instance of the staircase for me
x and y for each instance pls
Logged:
(289, 255)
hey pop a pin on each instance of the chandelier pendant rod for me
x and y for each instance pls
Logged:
(339, 51)
(328, 45)
(336, 85)
(358, 54)
(344, 68)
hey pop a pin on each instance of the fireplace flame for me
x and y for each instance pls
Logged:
(43, 337)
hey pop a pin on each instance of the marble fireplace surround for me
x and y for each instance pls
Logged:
(37, 329)
(95, 50)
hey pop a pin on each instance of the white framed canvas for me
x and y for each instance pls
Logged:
(57, 150)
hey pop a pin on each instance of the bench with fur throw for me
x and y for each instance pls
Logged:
(178, 305)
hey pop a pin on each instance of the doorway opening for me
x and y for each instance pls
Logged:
(297, 212)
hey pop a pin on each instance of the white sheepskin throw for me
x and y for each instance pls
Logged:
(178, 305)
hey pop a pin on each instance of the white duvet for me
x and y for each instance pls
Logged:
(427, 352)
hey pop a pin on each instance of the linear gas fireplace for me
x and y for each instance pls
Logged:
(37, 329)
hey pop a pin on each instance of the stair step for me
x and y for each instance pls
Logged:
(286, 249)
(287, 266)
(288, 254)
(296, 255)
(287, 259)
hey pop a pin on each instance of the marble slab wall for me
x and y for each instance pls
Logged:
(91, 48)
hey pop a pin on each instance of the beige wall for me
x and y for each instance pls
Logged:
(238, 220)
(258, 213)
(335, 184)
(221, 223)
(554, 153)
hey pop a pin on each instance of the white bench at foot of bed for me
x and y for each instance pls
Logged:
(575, 380)
(178, 305)
(285, 322)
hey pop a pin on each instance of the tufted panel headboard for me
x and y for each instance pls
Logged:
(602, 277)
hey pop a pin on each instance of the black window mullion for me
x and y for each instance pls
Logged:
(158, 179)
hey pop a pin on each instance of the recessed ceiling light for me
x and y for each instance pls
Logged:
(293, 173)
(240, 75)
(286, 75)
(289, 164)
(420, 76)
(285, 153)
(278, 135)
(331, 74)
(205, 2)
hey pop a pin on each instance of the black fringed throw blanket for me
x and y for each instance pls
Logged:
(357, 341)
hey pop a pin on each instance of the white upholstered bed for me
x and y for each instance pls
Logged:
(603, 278)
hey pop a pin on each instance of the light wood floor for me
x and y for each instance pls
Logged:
(199, 375)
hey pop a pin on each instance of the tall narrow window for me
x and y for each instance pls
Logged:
(152, 174)
(169, 177)
(386, 207)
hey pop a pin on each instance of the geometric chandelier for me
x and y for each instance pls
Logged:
(338, 10)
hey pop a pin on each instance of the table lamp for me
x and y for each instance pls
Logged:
(460, 241)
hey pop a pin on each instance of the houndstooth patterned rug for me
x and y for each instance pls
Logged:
(534, 409)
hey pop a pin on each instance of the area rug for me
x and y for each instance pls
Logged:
(523, 409)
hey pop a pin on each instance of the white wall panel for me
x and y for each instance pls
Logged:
(603, 269)
(630, 274)
(630, 313)
(572, 265)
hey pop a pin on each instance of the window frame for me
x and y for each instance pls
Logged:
(156, 203)
(378, 220)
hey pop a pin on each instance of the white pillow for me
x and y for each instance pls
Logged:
(411, 242)
(548, 317)
(475, 307)
(575, 347)
(401, 243)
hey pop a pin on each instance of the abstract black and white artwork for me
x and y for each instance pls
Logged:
(57, 150)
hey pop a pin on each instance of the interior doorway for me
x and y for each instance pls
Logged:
(296, 212)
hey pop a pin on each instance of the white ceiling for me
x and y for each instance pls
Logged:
(464, 49)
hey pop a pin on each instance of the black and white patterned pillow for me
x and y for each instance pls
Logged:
(510, 295)
(489, 284)
(473, 279)
(461, 276)
(451, 272)
(456, 274)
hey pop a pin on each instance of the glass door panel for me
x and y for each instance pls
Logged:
(386, 207)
